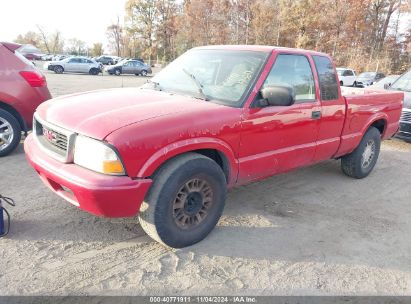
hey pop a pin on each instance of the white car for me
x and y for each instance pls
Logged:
(347, 76)
(75, 65)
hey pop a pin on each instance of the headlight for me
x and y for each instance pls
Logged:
(97, 156)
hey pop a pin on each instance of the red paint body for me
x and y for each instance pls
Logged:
(149, 127)
(17, 96)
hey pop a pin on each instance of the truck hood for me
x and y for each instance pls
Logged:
(98, 113)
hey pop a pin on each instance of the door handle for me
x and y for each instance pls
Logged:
(316, 115)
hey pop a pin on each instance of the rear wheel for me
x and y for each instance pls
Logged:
(58, 69)
(10, 133)
(185, 201)
(341, 83)
(354, 84)
(361, 161)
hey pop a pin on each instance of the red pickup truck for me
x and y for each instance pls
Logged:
(216, 117)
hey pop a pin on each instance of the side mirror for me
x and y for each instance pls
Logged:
(278, 96)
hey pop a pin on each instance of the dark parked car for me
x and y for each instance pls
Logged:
(404, 84)
(129, 67)
(367, 78)
(22, 88)
(106, 60)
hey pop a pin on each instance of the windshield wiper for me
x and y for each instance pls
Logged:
(198, 84)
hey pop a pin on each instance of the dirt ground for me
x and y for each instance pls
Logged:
(313, 231)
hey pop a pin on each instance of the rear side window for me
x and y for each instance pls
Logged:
(75, 60)
(327, 78)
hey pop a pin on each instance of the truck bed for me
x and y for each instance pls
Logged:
(364, 106)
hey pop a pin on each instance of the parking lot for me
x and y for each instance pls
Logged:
(309, 232)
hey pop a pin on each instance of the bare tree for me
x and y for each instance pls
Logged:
(44, 38)
(115, 35)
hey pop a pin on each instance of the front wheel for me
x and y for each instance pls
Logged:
(10, 133)
(361, 161)
(117, 72)
(185, 201)
(94, 72)
(58, 69)
(143, 73)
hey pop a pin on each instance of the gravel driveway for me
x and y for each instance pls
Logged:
(312, 231)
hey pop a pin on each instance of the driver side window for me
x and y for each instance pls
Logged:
(293, 71)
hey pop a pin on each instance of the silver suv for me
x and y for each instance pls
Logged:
(75, 65)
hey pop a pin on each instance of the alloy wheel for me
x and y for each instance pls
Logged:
(6, 134)
(192, 203)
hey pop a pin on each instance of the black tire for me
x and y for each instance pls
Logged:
(94, 71)
(354, 84)
(341, 83)
(143, 73)
(360, 162)
(58, 69)
(117, 72)
(173, 221)
(16, 130)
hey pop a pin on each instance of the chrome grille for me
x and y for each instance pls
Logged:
(55, 138)
(56, 141)
(406, 116)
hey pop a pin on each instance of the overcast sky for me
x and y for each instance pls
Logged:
(86, 20)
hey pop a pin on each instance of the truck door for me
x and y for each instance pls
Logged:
(278, 138)
(332, 109)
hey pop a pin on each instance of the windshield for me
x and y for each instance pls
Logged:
(367, 75)
(403, 83)
(216, 75)
(340, 72)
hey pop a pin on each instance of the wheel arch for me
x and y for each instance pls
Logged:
(15, 113)
(378, 121)
(214, 149)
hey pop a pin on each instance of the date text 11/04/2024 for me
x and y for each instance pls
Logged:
(204, 299)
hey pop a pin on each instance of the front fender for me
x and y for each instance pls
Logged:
(188, 145)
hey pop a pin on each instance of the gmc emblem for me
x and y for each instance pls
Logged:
(50, 135)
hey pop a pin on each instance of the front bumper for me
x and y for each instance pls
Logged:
(361, 84)
(99, 194)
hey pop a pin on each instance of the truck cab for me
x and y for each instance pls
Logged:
(215, 118)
